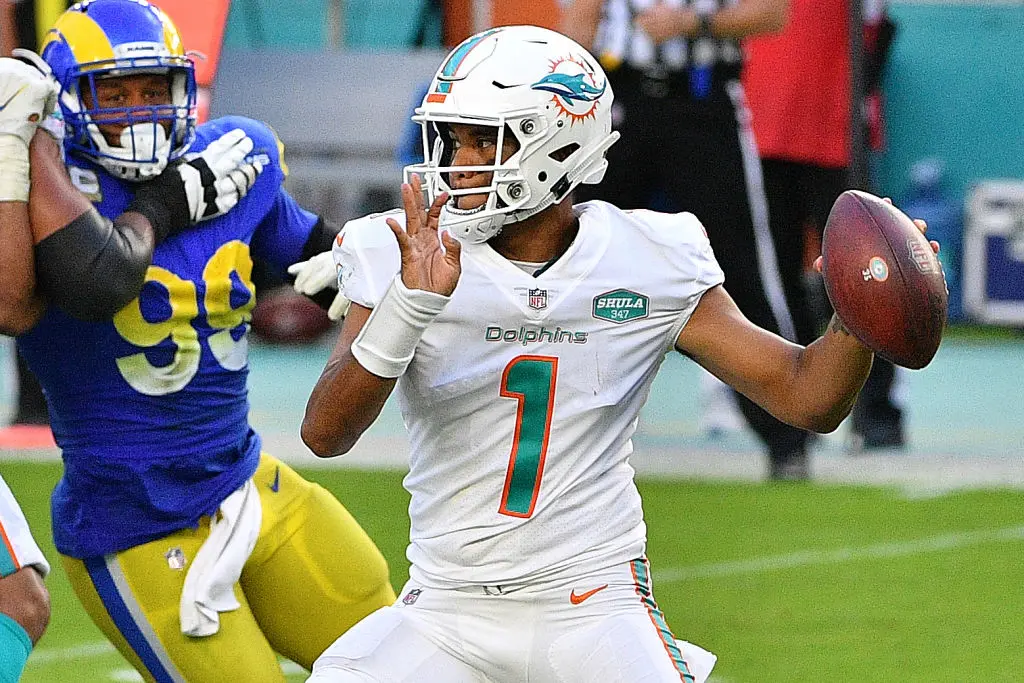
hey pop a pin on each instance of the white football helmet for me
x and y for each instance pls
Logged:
(536, 85)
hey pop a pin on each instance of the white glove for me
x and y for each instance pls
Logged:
(204, 186)
(216, 179)
(27, 97)
(317, 274)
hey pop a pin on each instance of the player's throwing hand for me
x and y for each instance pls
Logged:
(430, 261)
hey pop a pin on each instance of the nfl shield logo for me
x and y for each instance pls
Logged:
(538, 299)
(412, 596)
(921, 255)
(175, 559)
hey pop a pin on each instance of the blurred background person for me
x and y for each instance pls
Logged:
(675, 66)
(814, 144)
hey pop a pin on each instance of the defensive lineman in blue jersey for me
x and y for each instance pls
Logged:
(151, 409)
(197, 554)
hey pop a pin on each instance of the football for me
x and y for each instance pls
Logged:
(883, 279)
(283, 316)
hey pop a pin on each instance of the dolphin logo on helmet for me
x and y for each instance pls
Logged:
(569, 87)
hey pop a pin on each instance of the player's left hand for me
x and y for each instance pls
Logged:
(317, 274)
(203, 186)
(662, 22)
(431, 258)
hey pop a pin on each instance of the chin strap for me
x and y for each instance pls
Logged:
(465, 227)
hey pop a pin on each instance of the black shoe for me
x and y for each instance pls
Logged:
(879, 435)
(793, 466)
(876, 430)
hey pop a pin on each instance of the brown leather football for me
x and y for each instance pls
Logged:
(283, 316)
(883, 279)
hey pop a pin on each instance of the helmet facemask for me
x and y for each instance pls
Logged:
(531, 179)
(152, 136)
(505, 193)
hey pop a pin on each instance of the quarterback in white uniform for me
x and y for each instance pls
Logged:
(523, 334)
(524, 392)
(18, 550)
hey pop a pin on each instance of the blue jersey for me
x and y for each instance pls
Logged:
(151, 409)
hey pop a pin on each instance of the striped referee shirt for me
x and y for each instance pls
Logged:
(618, 39)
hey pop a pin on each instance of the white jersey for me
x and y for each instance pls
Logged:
(524, 393)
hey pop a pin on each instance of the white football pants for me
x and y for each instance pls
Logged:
(599, 628)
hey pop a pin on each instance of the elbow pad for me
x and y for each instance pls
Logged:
(91, 268)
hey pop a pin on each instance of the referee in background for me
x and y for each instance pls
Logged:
(687, 145)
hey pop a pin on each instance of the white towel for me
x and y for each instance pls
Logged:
(699, 661)
(216, 568)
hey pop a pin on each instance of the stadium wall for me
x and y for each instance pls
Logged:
(954, 90)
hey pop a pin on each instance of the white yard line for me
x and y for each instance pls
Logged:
(756, 565)
(47, 655)
(806, 558)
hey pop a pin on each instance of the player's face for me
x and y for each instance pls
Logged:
(476, 146)
(120, 92)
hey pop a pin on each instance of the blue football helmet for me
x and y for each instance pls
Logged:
(98, 39)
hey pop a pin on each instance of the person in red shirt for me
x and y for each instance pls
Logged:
(798, 84)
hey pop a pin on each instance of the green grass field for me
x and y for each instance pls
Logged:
(802, 582)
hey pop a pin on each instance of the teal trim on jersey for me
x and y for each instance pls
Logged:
(530, 380)
(15, 646)
(8, 564)
(643, 589)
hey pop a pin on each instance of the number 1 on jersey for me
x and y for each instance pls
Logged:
(531, 381)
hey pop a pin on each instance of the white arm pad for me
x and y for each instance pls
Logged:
(14, 182)
(386, 343)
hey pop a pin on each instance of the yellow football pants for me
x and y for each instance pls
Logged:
(313, 574)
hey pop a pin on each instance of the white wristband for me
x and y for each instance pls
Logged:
(386, 343)
(14, 178)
